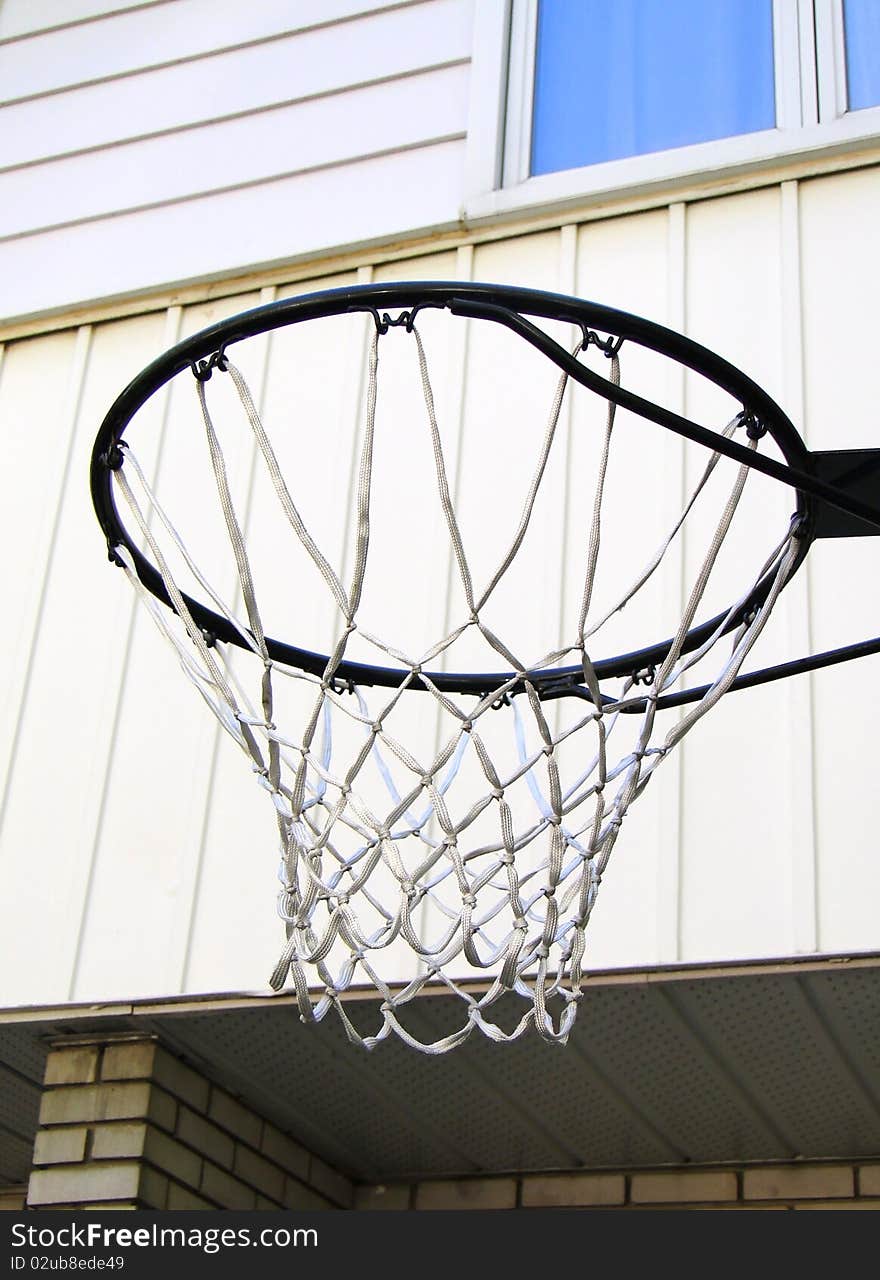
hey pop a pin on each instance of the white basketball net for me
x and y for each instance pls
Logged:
(489, 900)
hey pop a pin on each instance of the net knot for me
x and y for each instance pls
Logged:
(497, 793)
(426, 780)
(520, 922)
(376, 727)
(468, 900)
(542, 951)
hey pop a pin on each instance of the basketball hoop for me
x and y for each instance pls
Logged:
(463, 816)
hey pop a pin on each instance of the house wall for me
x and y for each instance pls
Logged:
(136, 855)
(175, 141)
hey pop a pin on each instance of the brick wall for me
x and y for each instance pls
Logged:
(794, 1186)
(125, 1125)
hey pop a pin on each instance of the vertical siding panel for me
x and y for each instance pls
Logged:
(311, 406)
(624, 263)
(552, 584)
(115, 683)
(154, 807)
(457, 363)
(737, 853)
(61, 753)
(225, 800)
(506, 406)
(36, 459)
(138, 855)
(459, 359)
(799, 762)
(237, 825)
(37, 462)
(673, 484)
(841, 281)
(410, 551)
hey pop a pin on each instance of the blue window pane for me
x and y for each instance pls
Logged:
(620, 78)
(861, 19)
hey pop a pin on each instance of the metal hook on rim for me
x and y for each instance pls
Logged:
(405, 320)
(202, 369)
(608, 346)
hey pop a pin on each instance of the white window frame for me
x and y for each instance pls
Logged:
(813, 122)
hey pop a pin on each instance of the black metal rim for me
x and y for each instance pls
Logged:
(510, 307)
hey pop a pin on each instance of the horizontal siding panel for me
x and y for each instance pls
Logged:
(381, 46)
(288, 140)
(128, 41)
(26, 17)
(375, 200)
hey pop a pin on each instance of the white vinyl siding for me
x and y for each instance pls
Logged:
(220, 155)
(166, 142)
(136, 854)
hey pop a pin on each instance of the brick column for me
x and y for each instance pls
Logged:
(126, 1125)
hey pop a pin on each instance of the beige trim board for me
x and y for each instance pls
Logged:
(220, 1002)
(483, 229)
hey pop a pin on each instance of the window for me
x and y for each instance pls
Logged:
(636, 76)
(861, 25)
(578, 100)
